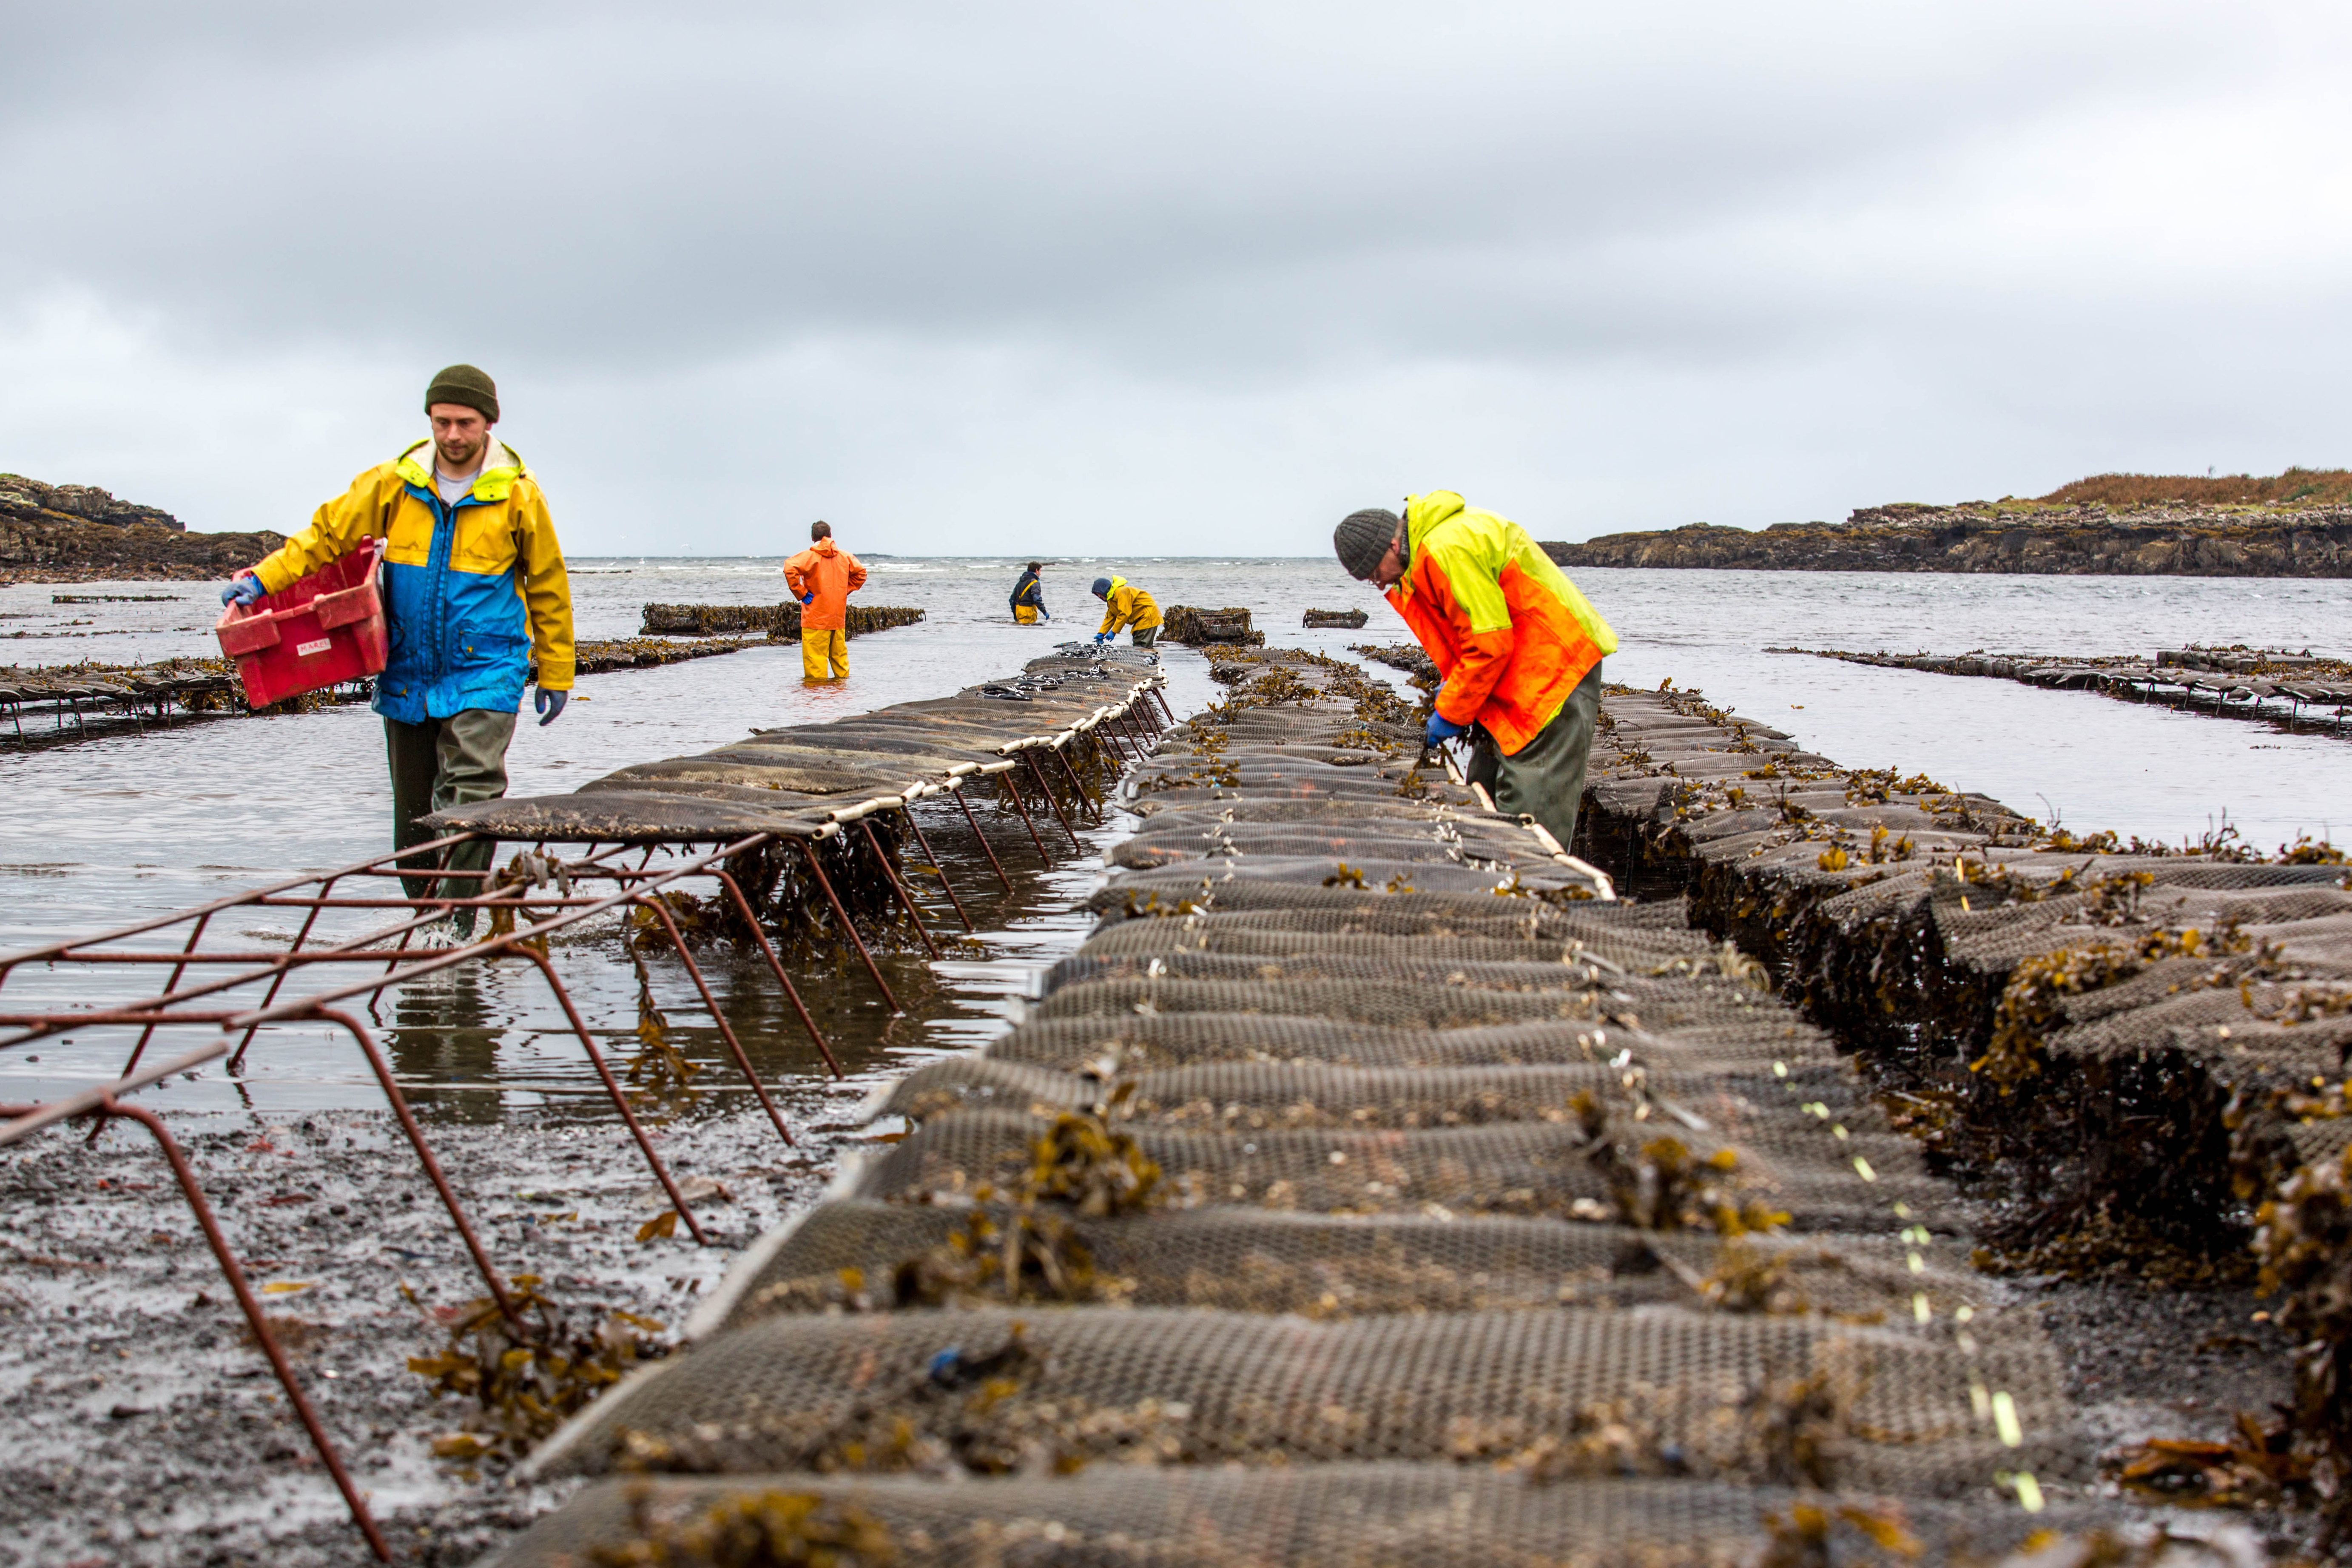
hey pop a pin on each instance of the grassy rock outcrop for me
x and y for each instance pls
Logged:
(2297, 524)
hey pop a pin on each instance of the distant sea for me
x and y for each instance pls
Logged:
(2096, 763)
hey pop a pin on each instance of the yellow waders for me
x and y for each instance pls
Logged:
(825, 655)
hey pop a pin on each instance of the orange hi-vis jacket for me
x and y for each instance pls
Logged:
(1505, 627)
(832, 573)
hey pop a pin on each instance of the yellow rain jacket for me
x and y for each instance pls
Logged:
(1128, 605)
(473, 593)
(1504, 626)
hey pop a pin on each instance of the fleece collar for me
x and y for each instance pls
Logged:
(500, 469)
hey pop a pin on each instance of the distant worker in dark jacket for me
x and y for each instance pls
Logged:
(1127, 606)
(822, 578)
(1519, 648)
(475, 597)
(1029, 596)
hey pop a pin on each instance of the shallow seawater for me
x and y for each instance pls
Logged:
(100, 833)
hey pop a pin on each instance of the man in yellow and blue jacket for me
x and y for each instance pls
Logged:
(1519, 648)
(1125, 605)
(475, 595)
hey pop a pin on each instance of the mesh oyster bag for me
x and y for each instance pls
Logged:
(987, 1390)
(1335, 1516)
(861, 1254)
(1533, 1168)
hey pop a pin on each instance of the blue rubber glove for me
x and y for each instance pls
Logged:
(1441, 729)
(809, 598)
(549, 705)
(244, 588)
(1101, 637)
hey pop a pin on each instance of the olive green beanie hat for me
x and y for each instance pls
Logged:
(464, 383)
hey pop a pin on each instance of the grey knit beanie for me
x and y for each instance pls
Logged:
(1362, 538)
(462, 384)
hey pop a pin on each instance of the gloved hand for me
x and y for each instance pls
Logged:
(1101, 637)
(549, 705)
(809, 598)
(1441, 729)
(244, 588)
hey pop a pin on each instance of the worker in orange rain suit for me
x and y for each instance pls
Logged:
(1519, 648)
(822, 578)
(476, 601)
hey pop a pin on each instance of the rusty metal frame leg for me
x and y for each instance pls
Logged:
(147, 1033)
(433, 1172)
(1130, 750)
(726, 1030)
(808, 853)
(1099, 753)
(776, 967)
(938, 865)
(1162, 697)
(985, 848)
(905, 898)
(1077, 785)
(1128, 722)
(1014, 790)
(1124, 728)
(1029, 755)
(326, 891)
(1105, 756)
(257, 1321)
(613, 1089)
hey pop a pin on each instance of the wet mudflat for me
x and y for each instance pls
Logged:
(143, 1427)
(2156, 1361)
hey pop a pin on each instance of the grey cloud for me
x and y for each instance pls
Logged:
(1636, 264)
(656, 190)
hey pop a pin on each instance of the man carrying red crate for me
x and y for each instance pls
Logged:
(474, 594)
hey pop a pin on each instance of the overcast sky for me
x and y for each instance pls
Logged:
(1171, 279)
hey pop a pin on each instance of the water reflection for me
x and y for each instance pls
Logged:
(444, 1045)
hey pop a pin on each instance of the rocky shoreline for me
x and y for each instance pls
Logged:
(79, 534)
(2007, 536)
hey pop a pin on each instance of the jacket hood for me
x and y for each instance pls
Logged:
(501, 466)
(1422, 513)
(825, 546)
(1425, 511)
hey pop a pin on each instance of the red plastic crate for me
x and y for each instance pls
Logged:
(324, 629)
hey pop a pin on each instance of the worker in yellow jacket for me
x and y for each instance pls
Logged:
(1125, 605)
(476, 599)
(1519, 648)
